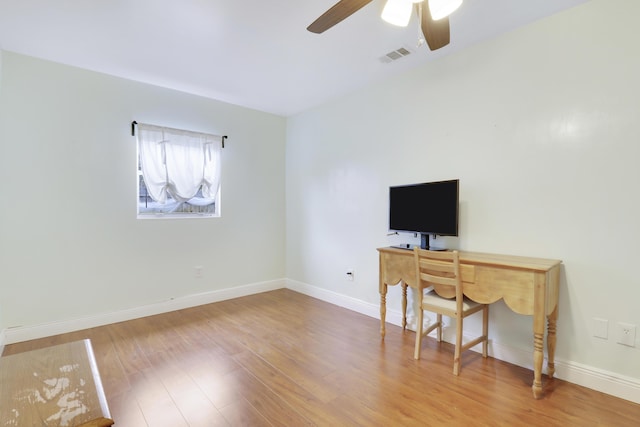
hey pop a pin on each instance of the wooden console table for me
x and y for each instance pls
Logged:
(53, 386)
(528, 286)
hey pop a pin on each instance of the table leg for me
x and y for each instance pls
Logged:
(551, 342)
(552, 302)
(538, 333)
(383, 308)
(537, 365)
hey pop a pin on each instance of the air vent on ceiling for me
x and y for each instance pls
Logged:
(395, 55)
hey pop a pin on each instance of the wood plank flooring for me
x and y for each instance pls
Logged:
(285, 359)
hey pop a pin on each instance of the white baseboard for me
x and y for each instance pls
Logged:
(3, 337)
(25, 333)
(587, 376)
(354, 304)
(597, 379)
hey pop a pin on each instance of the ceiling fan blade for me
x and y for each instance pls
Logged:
(435, 32)
(340, 11)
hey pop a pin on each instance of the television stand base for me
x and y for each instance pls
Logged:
(407, 246)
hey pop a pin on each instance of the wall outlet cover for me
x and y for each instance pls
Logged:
(626, 334)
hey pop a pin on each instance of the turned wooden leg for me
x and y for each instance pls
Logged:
(551, 342)
(537, 365)
(538, 333)
(383, 308)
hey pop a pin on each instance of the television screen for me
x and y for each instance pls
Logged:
(428, 208)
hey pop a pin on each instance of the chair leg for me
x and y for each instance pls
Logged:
(485, 329)
(439, 320)
(416, 353)
(456, 355)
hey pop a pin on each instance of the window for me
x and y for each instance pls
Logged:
(178, 173)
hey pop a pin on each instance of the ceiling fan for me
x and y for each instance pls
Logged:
(434, 18)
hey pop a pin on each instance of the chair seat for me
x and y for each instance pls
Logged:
(433, 299)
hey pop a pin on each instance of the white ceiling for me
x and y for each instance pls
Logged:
(253, 53)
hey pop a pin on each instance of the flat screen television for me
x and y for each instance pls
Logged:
(430, 208)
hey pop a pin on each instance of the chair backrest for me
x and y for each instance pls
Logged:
(439, 269)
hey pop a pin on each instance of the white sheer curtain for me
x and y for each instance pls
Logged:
(176, 163)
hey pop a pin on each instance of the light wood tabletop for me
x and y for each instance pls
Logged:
(53, 386)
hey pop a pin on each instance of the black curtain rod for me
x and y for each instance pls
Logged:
(133, 132)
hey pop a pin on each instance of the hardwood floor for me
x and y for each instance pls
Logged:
(284, 359)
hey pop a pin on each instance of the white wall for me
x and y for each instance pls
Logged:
(540, 126)
(70, 243)
(2, 323)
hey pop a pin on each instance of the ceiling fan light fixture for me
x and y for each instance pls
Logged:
(397, 12)
(442, 8)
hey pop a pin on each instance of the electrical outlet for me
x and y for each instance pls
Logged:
(197, 271)
(600, 328)
(626, 334)
(349, 274)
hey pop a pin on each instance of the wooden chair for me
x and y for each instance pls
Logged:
(441, 269)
